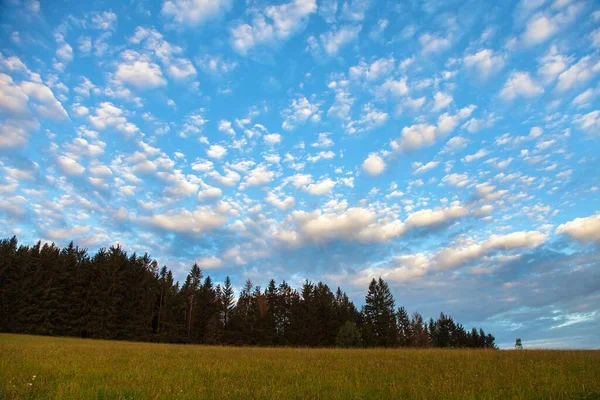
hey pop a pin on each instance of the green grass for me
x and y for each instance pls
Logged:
(34, 367)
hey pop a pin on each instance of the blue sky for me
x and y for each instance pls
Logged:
(450, 147)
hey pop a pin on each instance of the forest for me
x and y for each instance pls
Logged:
(46, 290)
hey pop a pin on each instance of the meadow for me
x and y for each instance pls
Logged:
(36, 367)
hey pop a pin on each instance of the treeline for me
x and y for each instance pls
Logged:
(46, 290)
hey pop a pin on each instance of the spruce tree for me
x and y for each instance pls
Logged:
(380, 320)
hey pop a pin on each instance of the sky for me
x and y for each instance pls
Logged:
(450, 147)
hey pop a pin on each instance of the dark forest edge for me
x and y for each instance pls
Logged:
(46, 290)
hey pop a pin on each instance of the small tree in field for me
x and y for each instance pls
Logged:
(348, 335)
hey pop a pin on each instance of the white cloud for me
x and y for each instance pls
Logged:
(324, 186)
(80, 147)
(404, 268)
(430, 217)
(13, 101)
(108, 115)
(322, 155)
(441, 100)
(456, 143)
(321, 226)
(476, 124)
(65, 53)
(194, 123)
(420, 168)
(414, 137)
(577, 74)
(211, 262)
(14, 133)
(595, 38)
(260, 175)
(141, 75)
(194, 12)
(216, 151)
(69, 166)
(85, 44)
(337, 221)
(42, 101)
(453, 257)
(423, 135)
(412, 104)
(194, 222)
(456, 179)
(589, 122)
(79, 110)
(275, 23)
(181, 69)
(229, 179)
(242, 166)
(104, 20)
(585, 229)
(215, 64)
(272, 138)
(21, 100)
(355, 10)
(209, 192)
(485, 61)
(225, 127)
(539, 29)
(374, 71)
(371, 118)
(413, 266)
(300, 111)
(323, 140)
(536, 132)
(476, 156)
(340, 109)
(282, 205)
(520, 84)
(334, 40)
(396, 88)
(542, 25)
(552, 64)
(66, 233)
(202, 165)
(484, 210)
(379, 29)
(299, 180)
(584, 99)
(433, 44)
(98, 169)
(33, 6)
(374, 164)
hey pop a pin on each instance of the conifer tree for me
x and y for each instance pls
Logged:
(405, 336)
(380, 320)
(113, 295)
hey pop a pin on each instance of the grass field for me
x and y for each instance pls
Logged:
(64, 368)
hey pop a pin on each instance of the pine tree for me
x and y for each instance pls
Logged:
(380, 320)
(191, 291)
(405, 336)
(419, 331)
(227, 305)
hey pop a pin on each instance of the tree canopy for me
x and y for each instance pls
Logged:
(47, 290)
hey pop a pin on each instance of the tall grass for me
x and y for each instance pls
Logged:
(33, 367)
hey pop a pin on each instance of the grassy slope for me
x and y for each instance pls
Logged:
(67, 368)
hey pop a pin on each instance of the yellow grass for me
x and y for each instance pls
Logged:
(64, 368)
